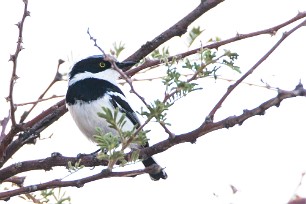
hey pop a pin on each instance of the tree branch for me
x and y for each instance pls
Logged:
(14, 58)
(270, 31)
(57, 77)
(177, 29)
(210, 116)
(33, 128)
(90, 160)
(225, 123)
(74, 183)
(56, 159)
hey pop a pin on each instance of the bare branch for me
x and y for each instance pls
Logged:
(225, 123)
(39, 100)
(233, 86)
(177, 29)
(95, 42)
(74, 183)
(46, 164)
(14, 58)
(33, 128)
(58, 77)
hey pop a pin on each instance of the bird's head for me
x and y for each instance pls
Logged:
(96, 65)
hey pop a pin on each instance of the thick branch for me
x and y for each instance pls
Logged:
(33, 128)
(177, 29)
(48, 163)
(225, 123)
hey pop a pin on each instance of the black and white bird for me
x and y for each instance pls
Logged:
(92, 85)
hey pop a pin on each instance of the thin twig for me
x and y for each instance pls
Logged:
(211, 77)
(210, 116)
(95, 42)
(57, 77)
(14, 58)
(39, 100)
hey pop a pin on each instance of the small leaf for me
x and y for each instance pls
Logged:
(135, 155)
(193, 35)
(118, 48)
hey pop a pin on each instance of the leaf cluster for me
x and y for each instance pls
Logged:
(156, 110)
(74, 167)
(182, 77)
(111, 142)
(117, 49)
(54, 195)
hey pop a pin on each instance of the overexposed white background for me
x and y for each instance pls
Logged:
(264, 158)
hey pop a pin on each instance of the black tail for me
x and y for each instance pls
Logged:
(155, 177)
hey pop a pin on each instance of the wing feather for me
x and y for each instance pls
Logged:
(118, 100)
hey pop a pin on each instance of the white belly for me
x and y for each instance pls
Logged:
(86, 117)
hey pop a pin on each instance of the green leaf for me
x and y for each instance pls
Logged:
(135, 155)
(193, 35)
(118, 48)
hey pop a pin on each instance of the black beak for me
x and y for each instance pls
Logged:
(125, 65)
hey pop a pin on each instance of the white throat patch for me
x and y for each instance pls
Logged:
(110, 75)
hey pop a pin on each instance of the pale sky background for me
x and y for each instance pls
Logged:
(264, 158)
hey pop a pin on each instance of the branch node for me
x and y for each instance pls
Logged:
(209, 119)
(106, 172)
(56, 154)
(263, 111)
(193, 141)
(79, 184)
(229, 122)
(299, 86)
(32, 188)
(18, 165)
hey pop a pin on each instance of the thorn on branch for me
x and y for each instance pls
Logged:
(79, 184)
(18, 25)
(60, 61)
(12, 58)
(299, 86)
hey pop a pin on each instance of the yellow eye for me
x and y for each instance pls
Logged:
(102, 64)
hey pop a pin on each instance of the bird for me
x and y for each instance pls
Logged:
(92, 84)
